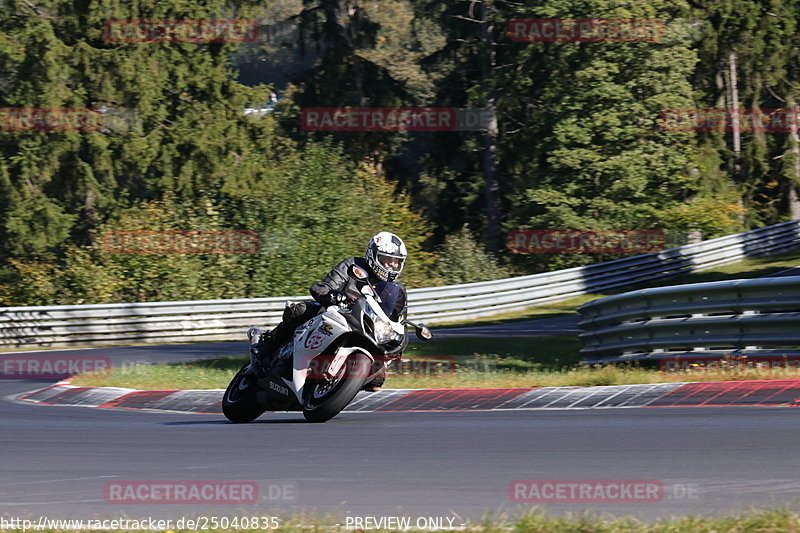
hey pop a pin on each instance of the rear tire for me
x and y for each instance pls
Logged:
(328, 398)
(239, 403)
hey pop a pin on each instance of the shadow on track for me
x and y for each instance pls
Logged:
(226, 422)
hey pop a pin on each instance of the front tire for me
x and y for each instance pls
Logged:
(239, 404)
(327, 398)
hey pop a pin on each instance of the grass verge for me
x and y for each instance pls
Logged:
(453, 364)
(746, 269)
(478, 362)
(781, 519)
(547, 310)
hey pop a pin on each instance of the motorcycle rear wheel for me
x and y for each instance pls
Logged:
(327, 398)
(239, 403)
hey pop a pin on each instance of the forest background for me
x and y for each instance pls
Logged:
(573, 141)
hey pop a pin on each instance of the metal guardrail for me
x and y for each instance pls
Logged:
(161, 322)
(753, 318)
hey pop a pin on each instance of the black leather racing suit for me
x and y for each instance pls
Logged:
(340, 278)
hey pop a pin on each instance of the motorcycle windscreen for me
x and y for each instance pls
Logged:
(390, 295)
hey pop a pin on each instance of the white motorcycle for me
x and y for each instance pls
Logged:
(329, 359)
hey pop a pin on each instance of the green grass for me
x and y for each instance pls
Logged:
(766, 521)
(451, 364)
(746, 269)
(483, 362)
(553, 351)
(511, 355)
(535, 520)
(491, 360)
(482, 374)
(205, 374)
(547, 310)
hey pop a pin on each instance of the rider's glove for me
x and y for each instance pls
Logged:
(339, 298)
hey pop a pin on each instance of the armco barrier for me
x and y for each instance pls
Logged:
(155, 322)
(756, 318)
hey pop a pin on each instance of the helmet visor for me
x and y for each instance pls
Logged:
(393, 263)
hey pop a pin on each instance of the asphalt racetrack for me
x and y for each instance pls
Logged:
(449, 466)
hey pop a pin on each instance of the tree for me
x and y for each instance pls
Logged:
(178, 117)
(746, 62)
(309, 216)
(174, 150)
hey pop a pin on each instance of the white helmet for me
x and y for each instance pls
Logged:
(386, 255)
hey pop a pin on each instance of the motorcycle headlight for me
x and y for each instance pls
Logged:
(382, 330)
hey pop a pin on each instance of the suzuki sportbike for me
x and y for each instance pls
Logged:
(327, 361)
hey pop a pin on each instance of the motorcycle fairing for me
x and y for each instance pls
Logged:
(311, 340)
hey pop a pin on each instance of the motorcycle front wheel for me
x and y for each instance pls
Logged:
(327, 397)
(239, 404)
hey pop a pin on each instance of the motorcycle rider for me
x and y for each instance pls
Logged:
(383, 262)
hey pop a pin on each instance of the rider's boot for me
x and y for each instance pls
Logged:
(254, 335)
(272, 340)
(293, 315)
(264, 349)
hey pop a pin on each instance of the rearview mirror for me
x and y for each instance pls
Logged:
(423, 333)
